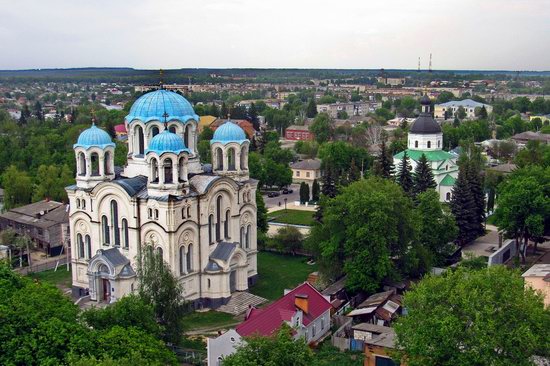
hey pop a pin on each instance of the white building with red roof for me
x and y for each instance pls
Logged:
(304, 309)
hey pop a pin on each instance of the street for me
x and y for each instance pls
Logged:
(274, 201)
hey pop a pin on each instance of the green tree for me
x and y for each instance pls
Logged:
(383, 166)
(288, 239)
(17, 188)
(460, 113)
(304, 193)
(159, 288)
(311, 109)
(523, 205)
(315, 190)
(278, 350)
(464, 208)
(482, 113)
(261, 213)
(446, 324)
(51, 181)
(534, 153)
(321, 128)
(342, 115)
(423, 178)
(364, 233)
(475, 185)
(435, 227)
(404, 177)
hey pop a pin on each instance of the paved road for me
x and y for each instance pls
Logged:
(274, 201)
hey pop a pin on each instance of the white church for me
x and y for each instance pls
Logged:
(200, 218)
(426, 138)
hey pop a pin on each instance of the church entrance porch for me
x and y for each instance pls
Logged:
(110, 276)
(233, 281)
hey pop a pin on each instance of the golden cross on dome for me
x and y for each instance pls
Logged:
(92, 113)
(165, 116)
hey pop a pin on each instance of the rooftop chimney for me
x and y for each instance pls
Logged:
(302, 302)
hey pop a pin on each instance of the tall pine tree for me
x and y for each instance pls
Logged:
(404, 176)
(311, 109)
(423, 178)
(383, 167)
(476, 188)
(463, 208)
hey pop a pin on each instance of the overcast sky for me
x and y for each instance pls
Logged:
(461, 34)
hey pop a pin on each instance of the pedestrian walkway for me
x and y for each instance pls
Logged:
(240, 302)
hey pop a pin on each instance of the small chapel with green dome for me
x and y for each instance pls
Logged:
(426, 138)
(200, 218)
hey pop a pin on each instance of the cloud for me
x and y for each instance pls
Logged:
(461, 34)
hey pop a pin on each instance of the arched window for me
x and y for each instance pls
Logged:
(167, 166)
(172, 129)
(140, 144)
(218, 218)
(448, 196)
(156, 214)
(154, 131)
(83, 202)
(107, 163)
(188, 211)
(182, 176)
(150, 213)
(429, 144)
(231, 158)
(88, 247)
(82, 163)
(438, 143)
(244, 152)
(78, 203)
(183, 212)
(188, 135)
(209, 283)
(243, 237)
(219, 158)
(154, 170)
(95, 164)
(226, 224)
(183, 260)
(416, 144)
(114, 222)
(125, 238)
(80, 245)
(106, 234)
(210, 223)
(248, 233)
(190, 258)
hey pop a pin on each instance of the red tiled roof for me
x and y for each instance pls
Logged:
(120, 128)
(266, 321)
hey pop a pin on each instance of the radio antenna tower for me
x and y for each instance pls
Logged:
(430, 68)
(419, 64)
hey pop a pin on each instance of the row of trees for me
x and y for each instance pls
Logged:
(40, 325)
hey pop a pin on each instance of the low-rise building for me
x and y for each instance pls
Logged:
(299, 133)
(45, 222)
(242, 123)
(121, 132)
(523, 138)
(380, 309)
(351, 108)
(538, 278)
(304, 309)
(448, 109)
(306, 171)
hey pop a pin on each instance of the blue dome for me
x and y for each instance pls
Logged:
(166, 141)
(229, 132)
(153, 105)
(94, 137)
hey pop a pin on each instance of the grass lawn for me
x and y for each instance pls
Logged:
(296, 217)
(207, 319)
(61, 277)
(277, 272)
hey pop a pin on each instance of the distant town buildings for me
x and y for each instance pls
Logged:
(452, 107)
(538, 278)
(299, 133)
(351, 108)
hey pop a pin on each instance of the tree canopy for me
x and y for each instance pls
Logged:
(469, 317)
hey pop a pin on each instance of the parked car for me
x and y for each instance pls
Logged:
(273, 194)
(287, 190)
